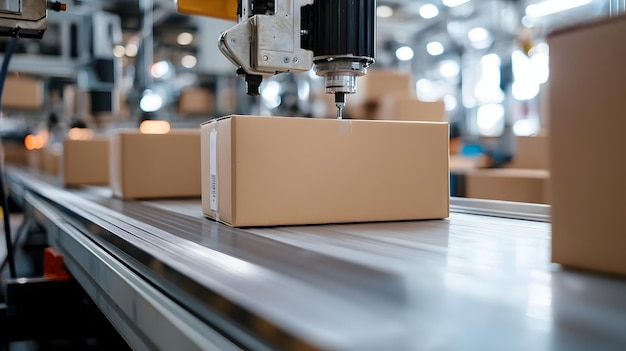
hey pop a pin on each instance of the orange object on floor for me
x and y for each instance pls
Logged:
(53, 267)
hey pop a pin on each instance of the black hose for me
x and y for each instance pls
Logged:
(3, 191)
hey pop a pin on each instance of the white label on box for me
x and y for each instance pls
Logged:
(213, 168)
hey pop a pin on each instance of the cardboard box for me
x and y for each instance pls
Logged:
(36, 159)
(14, 153)
(155, 165)
(196, 101)
(407, 107)
(86, 162)
(22, 93)
(381, 82)
(588, 167)
(519, 185)
(531, 152)
(51, 159)
(265, 171)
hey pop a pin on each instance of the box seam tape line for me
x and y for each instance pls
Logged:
(213, 195)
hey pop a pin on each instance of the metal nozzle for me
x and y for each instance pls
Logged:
(340, 102)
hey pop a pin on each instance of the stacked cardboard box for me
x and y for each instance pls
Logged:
(196, 101)
(525, 179)
(52, 159)
(22, 93)
(407, 107)
(372, 88)
(587, 122)
(155, 165)
(86, 162)
(14, 153)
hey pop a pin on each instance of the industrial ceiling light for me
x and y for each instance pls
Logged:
(550, 7)
(119, 51)
(154, 127)
(454, 3)
(429, 11)
(184, 38)
(384, 11)
(404, 53)
(434, 48)
(478, 34)
(189, 61)
(449, 68)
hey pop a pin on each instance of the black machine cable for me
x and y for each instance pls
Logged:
(3, 191)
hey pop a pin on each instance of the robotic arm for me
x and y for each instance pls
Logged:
(274, 36)
(26, 18)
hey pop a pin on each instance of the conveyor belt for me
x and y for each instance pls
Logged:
(470, 282)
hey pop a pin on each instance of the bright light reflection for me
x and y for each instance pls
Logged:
(450, 102)
(449, 69)
(184, 38)
(154, 127)
(550, 7)
(434, 48)
(270, 94)
(478, 34)
(189, 61)
(131, 50)
(404, 53)
(526, 127)
(384, 11)
(527, 77)
(80, 134)
(159, 69)
(119, 51)
(453, 3)
(428, 11)
(489, 119)
(150, 102)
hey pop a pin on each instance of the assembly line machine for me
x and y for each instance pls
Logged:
(167, 278)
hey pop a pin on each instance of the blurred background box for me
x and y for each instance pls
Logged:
(378, 83)
(86, 162)
(51, 159)
(587, 112)
(23, 93)
(14, 153)
(196, 101)
(36, 159)
(407, 107)
(155, 165)
(373, 88)
(522, 185)
(531, 152)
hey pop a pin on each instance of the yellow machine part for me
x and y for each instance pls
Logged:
(225, 9)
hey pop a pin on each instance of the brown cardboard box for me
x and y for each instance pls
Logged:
(372, 88)
(531, 153)
(22, 93)
(381, 82)
(196, 101)
(407, 107)
(86, 162)
(520, 185)
(14, 153)
(155, 165)
(51, 159)
(36, 159)
(587, 122)
(264, 171)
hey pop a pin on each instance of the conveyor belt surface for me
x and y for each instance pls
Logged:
(470, 282)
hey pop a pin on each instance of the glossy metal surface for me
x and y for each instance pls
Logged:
(470, 282)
